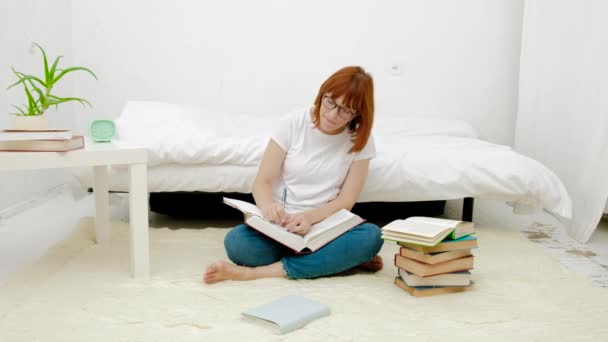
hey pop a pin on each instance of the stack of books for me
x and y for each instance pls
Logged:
(435, 255)
(59, 140)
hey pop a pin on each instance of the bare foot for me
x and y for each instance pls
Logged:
(222, 270)
(373, 265)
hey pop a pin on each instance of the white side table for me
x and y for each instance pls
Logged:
(100, 156)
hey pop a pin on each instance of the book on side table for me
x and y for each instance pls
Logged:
(61, 145)
(426, 231)
(47, 134)
(319, 235)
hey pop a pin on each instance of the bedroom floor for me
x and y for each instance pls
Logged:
(25, 234)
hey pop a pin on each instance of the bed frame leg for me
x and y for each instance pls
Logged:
(467, 209)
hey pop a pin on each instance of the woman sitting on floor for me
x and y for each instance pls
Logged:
(315, 164)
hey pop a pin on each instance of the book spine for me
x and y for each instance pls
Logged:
(425, 270)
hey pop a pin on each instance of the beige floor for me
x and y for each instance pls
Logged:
(24, 236)
(81, 291)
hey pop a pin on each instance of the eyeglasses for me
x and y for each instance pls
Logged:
(343, 112)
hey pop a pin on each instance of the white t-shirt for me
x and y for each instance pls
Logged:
(316, 163)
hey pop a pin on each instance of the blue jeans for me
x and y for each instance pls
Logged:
(245, 246)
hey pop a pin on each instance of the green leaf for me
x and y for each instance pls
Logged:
(68, 70)
(31, 107)
(37, 90)
(22, 78)
(30, 99)
(54, 67)
(46, 64)
(41, 97)
(55, 100)
(20, 110)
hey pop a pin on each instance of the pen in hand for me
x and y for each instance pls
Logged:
(283, 200)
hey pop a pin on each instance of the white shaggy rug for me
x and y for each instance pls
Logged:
(80, 291)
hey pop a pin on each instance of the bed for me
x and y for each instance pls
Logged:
(418, 159)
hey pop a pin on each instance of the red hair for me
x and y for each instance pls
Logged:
(357, 89)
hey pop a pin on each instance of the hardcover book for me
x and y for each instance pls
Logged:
(426, 231)
(467, 242)
(425, 270)
(287, 314)
(462, 278)
(425, 291)
(434, 258)
(52, 134)
(63, 145)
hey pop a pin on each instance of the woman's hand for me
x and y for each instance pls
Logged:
(275, 213)
(298, 224)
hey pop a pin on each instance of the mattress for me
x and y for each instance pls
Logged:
(418, 169)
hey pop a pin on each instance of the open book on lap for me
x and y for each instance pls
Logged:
(426, 231)
(319, 235)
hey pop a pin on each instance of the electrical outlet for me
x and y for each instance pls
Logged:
(395, 69)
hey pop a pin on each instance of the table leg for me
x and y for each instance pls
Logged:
(102, 204)
(138, 212)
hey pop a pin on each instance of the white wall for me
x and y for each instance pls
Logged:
(49, 24)
(459, 59)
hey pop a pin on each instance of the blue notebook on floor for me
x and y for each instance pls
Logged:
(287, 314)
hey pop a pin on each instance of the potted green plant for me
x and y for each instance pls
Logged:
(39, 93)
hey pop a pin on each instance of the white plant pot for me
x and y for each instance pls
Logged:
(30, 122)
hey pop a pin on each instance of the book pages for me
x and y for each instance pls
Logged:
(337, 218)
(243, 206)
(414, 228)
(445, 223)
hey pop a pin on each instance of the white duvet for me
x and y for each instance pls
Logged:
(417, 159)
